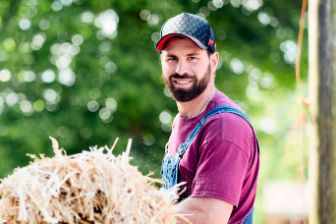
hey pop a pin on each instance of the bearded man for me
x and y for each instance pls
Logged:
(212, 150)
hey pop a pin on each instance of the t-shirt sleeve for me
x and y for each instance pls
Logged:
(224, 159)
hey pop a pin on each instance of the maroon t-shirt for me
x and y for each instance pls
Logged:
(222, 162)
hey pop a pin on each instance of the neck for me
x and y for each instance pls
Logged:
(196, 106)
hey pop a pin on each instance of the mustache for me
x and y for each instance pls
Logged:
(183, 76)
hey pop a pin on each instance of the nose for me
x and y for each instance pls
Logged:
(182, 68)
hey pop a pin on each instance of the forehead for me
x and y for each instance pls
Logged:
(181, 45)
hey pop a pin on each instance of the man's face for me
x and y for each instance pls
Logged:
(186, 69)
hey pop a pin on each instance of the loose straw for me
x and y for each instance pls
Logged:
(93, 186)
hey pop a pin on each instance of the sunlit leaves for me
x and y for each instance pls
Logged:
(87, 72)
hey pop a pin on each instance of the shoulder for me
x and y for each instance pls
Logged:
(229, 129)
(228, 122)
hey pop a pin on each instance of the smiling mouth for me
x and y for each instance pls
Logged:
(182, 81)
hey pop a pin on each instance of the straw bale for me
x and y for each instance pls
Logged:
(93, 186)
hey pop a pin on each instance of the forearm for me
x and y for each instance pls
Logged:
(203, 211)
(190, 216)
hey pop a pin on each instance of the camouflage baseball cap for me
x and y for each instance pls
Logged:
(192, 26)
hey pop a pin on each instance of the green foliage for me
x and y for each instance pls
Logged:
(86, 72)
(64, 70)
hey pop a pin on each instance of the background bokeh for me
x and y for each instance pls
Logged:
(86, 73)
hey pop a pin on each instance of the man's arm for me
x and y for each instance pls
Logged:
(204, 211)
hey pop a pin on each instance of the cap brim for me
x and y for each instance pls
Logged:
(162, 42)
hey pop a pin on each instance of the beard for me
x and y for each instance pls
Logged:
(185, 95)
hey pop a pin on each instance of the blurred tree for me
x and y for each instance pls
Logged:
(86, 72)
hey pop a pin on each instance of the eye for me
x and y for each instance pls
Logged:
(192, 58)
(171, 59)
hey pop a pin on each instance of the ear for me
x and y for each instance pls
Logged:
(163, 53)
(214, 59)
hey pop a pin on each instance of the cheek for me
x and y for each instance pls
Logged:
(166, 69)
(200, 68)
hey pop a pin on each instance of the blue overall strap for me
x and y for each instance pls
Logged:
(216, 110)
(170, 164)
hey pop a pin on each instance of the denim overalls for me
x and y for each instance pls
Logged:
(170, 164)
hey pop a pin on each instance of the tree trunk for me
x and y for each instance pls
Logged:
(322, 71)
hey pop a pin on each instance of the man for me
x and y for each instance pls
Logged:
(213, 150)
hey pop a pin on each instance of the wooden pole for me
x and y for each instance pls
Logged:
(322, 72)
(312, 127)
